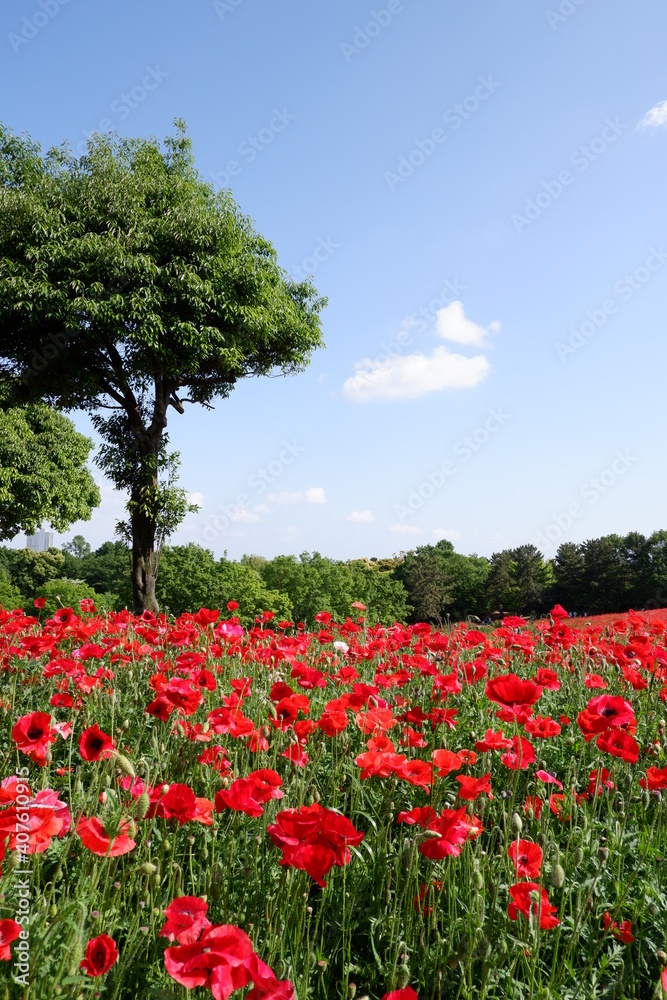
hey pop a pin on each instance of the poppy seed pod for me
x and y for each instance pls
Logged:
(516, 823)
(558, 876)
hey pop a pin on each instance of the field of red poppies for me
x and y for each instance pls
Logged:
(188, 808)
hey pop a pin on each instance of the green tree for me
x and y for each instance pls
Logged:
(64, 593)
(78, 547)
(107, 570)
(30, 570)
(127, 283)
(43, 473)
(605, 574)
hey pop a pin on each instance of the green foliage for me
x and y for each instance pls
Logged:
(64, 593)
(43, 472)
(29, 571)
(441, 583)
(519, 580)
(190, 578)
(10, 596)
(78, 547)
(106, 570)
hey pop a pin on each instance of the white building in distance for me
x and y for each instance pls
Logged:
(41, 541)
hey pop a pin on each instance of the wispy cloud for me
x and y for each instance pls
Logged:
(415, 375)
(655, 116)
(360, 517)
(405, 529)
(313, 495)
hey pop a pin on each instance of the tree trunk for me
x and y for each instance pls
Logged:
(143, 564)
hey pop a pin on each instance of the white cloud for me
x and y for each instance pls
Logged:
(451, 324)
(360, 517)
(243, 515)
(655, 116)
(451, 534)
(405, 529)
(313, 495)
(415, 375)
(261, 508)
(197, 498)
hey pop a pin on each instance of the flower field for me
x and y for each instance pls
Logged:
(189, 808)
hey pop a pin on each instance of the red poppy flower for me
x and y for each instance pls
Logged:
(622, 932)
(47, 816)
(521, 756)
(605, 712)
(492, 741)
(407, 993)
(101, 953)
(452, 828)
(657, 779)
(32, 734)
(95, 838)
(222, 952)
(421, 815)
(523, 901)
(527, 858)
(556, 804)
(313, 839)
(543, 728)
(619, 744)
(512, 692)
(416, 772)
(446, 761)
(548, 679)
(9, 931)
(186, 919)
(549, 779)
(95, 745)
(472, 787)
(39, 602)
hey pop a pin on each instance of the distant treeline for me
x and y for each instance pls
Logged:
(430, 583)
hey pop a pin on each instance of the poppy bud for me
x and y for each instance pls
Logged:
(351, 991)
(143, 805)
(126, 724)
(570, 741)
(558, 876)
(578, 856)
(13, 861)
(484, 949)
(148, 869)
(78, 787)
(654, 911)
(646, 799)
(662, 958)
(541, 839)
(125, 765)
(106, 781)
(53, 910)
(516, 823)
(403, 977)
(603, 854)
(478, 880)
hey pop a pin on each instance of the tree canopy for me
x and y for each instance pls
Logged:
(43, 473)
(128, 286)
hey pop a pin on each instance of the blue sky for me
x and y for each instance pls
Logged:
(478, 188)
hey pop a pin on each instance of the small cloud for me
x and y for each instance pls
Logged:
(197, 498)
(360, 517)
(655, 116)
(313, 495)
(321, 378)
(243, 516)
(451, 324)
(405, 529)
(451, 534)
(262, 508)
(415, 375)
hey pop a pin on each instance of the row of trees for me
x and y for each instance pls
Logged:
(431, 583)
